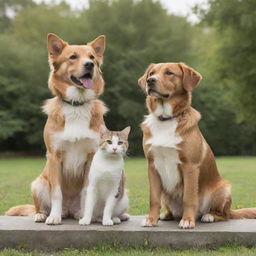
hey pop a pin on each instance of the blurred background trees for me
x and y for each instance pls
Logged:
(221, 48)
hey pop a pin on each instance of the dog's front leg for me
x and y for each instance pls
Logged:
(54, 169)
(80, 213)
(155, 196)
(190, 197)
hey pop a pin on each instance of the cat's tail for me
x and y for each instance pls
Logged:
(244, 213)
(21, 210)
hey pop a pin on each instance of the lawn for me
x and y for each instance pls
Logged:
(17, 174)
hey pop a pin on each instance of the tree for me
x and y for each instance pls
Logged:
(131, 46)
(138, 33)
(235, 24)
(9, 8)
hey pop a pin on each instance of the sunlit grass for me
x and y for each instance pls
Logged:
(17, 174)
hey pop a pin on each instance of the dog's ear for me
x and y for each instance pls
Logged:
(55, 45)
(191, 77)
(142, 82)
(98, 45)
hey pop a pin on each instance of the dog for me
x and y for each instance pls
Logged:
(182, 171)
(71, 133)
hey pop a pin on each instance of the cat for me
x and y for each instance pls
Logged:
(105, 198)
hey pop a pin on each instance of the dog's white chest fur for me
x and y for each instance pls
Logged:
(77, 139)
(164, 143)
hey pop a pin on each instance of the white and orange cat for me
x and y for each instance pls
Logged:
(105, 197)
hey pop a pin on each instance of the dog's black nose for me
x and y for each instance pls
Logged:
(89, 65)
(151, 81)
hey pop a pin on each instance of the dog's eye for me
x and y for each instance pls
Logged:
(169, 73)
(109, 141)
(120, 142)
(73, 57)
(92, 57)
(151, 73)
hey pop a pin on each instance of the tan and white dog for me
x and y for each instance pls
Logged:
(181, 166)
(71, 133)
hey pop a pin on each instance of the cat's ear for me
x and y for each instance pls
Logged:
(103, 130)
(126, 131)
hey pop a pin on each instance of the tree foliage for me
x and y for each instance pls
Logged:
(8, 8)
(138, 33)
(235, 23)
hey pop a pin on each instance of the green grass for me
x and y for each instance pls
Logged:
(17, 174)
(110, 250)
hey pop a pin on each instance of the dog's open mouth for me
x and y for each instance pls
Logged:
(153, 92)
(85, 80)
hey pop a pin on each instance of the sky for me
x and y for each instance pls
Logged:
(178, 7)
(183, 7)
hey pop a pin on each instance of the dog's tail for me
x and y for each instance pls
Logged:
(21, 210)
(244, 213)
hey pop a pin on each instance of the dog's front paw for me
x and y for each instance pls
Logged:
(187, 223)
(53, 220)
(147, 222)
(207, 218)
(107, 222)
(85, 221)
(40, 217)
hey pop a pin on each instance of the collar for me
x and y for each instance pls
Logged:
(74, 103)
(161, 118)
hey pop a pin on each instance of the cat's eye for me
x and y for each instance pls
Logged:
(73, 57)
(109, 141)
(120, 142)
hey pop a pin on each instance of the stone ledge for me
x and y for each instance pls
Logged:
(17, 232)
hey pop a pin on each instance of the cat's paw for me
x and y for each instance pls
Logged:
(107, 222)
(85, 221)
(40, 217)
(53, 220)
(116, 220)
(124, 217)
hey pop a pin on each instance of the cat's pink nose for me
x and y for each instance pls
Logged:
(115, 149)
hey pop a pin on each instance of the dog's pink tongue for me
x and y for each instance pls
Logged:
(87, 82)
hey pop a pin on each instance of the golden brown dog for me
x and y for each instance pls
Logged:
(181, 165)
(71, 132)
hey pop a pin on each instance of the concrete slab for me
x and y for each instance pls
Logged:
(22, 232)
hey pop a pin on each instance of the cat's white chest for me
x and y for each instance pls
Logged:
(164, 146)
(105, 174)
(105, 168)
